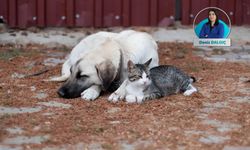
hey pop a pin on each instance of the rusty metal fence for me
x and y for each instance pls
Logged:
(107, 13)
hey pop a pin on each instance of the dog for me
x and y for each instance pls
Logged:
(98, 62)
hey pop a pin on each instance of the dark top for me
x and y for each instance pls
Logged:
(217, 31)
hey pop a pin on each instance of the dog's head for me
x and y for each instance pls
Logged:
(86, 73)
(98, 67)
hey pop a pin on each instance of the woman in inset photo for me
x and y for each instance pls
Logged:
(213, 28)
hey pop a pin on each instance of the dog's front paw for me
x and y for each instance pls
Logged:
(89, 94)
(116, 96)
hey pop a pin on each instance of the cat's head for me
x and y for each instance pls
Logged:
(139, 73)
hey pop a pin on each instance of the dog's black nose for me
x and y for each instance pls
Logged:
(61, 92)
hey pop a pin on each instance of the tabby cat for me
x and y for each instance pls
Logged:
(145, 84)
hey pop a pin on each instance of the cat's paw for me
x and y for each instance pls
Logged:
(116, 96)
(139, 99)
(130, 99)
(134, 99)
(191, 90)
(188, 92)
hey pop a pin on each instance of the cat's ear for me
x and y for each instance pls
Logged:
(148, 62)
(130, 65)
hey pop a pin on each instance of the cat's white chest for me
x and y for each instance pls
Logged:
(134, 89)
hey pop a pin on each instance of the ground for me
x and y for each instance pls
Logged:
(34, 117)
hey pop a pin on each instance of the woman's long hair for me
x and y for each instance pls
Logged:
(217, 18)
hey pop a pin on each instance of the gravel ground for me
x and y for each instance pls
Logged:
(34, 117)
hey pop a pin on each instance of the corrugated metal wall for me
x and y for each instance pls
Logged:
(107, 13)
(86, 13)
(237, 10)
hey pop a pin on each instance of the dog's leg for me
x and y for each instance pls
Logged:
(120, 93)
(91, 93)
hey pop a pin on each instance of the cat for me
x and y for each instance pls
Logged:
(146, 84)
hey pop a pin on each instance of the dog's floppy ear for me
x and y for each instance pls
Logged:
(107, 73)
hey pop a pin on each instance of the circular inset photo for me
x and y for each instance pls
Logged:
(212, 22)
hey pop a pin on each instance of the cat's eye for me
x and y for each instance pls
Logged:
(140, 76)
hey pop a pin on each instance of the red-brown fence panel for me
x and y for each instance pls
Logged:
(41, 13)
(196, 7)
(112, 12)
(4, 10)
(125, 13)
(70, 19)
(166, 12)
(98, 13)
(12, 13)
(235, 9)
(56, 13)
(229, 7)
(140, 13)
(26, 13)
(185, 14)
(84, 13)
(107, 13)
(153, 13)
(246, 11)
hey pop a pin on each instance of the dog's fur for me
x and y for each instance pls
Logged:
(100, 59)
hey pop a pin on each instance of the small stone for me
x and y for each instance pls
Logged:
(48, 114)
(115, 122)
(212, 139)
(236, 148)
(33, 29)
(16, 75)
(55, 104)
(24, 33)
(15, 130)
(36, 128)
(14, 110)
(53, 62)
(19, 140)
(47, 123)
(41, 95)
(33, 88)
(46, 35)
(13, 34)
(113, 110)
(30, 64)
(4, 147)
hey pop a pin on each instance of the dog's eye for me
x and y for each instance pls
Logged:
(71, 70)
(79, 76)
(84, 76)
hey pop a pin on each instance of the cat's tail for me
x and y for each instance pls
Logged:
(192, 79)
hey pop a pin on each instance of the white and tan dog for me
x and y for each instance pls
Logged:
(99, 61)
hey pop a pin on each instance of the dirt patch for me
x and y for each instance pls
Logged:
(217, 116)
